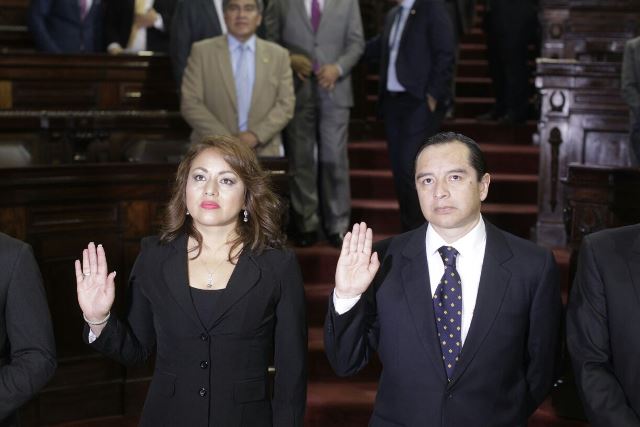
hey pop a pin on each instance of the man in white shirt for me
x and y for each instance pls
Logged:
(464, 316)
(239, 84)
(136, 25)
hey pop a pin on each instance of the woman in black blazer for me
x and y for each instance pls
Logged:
(215, 295)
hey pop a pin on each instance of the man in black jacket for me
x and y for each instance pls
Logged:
(416, 56)
(27, 349)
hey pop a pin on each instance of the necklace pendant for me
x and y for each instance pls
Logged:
(209, 280)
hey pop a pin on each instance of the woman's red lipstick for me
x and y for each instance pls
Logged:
(209, 205)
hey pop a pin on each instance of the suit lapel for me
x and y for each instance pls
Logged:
(417, 289)
(262, 73)
(176, 277)
(494, 281)
(306, 19)
(324, 19)
(408, 23)
(633, 261)
(223, 59)
(244, 277)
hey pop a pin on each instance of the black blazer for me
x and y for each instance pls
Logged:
(507, 361)
(27, 347)
(119, 21)
(602, 333)
(426, 53)
(57, 28)
(215, 375)
(193, 20)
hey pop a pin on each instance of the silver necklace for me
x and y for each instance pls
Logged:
(209, 273)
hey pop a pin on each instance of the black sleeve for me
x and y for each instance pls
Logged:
(32, 358)
(588, 343)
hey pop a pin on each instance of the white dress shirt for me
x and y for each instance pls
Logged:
(139, 39)
(307, 6)
(471, 248)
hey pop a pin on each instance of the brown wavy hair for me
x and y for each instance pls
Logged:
(263, 230)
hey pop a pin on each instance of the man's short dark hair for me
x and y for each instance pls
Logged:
(259, 5)
(476, 157)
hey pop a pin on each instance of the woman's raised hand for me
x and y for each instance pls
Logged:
(96, 287)
(356, 266)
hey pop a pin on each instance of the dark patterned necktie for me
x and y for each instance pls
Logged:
(447, 307)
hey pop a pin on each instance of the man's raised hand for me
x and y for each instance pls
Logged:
(356, 266)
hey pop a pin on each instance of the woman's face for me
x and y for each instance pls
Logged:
(214, 193)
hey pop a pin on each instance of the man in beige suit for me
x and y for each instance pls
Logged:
(238, 84)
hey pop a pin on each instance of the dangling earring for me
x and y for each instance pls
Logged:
(188, 213)
(246, 216)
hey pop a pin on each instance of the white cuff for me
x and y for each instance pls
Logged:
(159, 23)
(342, 305)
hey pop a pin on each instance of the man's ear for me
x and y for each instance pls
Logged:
(484, 186)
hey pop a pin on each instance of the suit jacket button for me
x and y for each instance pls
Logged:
(204, 364)
(204, 336)
(450, 396)
(202, 392)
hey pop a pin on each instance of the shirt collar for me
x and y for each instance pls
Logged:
(464, 245)
(407, 4)
(234, 43)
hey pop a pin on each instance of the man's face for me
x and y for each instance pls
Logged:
(242, 18)
(449, 190)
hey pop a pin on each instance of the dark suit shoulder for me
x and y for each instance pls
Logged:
(620, 234)
(274, 258)
(209, 43)
(517, 244)
(11, 250)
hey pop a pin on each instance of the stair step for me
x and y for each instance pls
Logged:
(345, 403)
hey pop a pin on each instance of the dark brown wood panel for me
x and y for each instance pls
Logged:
(583, 120)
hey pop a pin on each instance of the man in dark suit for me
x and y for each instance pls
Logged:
(416, 56)
(136, 25)
(509, 26)
(464, 316)
(27, 348)
(462, 13)
(603, 343)
(193, 20)
(67, 26)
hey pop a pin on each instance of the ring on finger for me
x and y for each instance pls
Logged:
(86, 274)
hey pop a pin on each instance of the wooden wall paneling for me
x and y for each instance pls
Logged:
(583, 120)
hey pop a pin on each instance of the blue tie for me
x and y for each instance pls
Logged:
(447, 307)
(243, 88)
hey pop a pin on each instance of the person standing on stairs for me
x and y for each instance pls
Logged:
(462, 13)
(509, 26)
(416, 54)
(465, 317)
(325, 40)
(604, 347)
